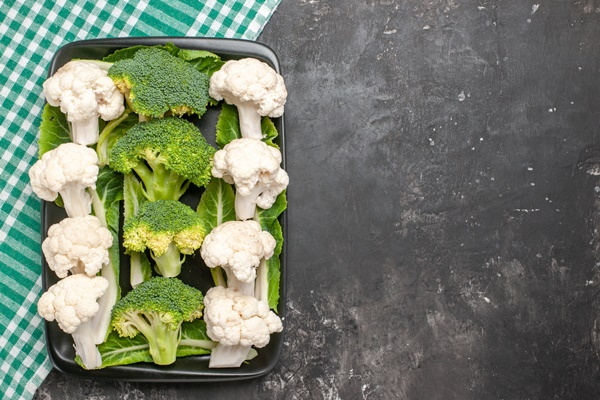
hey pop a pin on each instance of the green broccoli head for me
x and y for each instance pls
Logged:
(166, 154)
(169, 229)
(156, 309)
(155, 82)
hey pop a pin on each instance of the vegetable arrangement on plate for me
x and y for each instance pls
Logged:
(119, 150)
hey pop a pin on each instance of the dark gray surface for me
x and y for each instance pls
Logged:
(442, 240)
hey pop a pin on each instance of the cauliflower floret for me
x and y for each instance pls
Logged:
(72, 302)
(67, 170)
(78, 244)
(84, 92)
(254, 88)
(254, 168)
(237, 247)
(237, 322)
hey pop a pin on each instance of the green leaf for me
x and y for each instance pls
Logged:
(129, 52)
(109, 189)
(123, 54)
(106, 201)
(266, 217)
(204, 61)
(118, 350)
(140, 269)
(106, 206)
(274, 266)
(269, 272)
(194, 340)
(217, 204)
(54, 129)
(122, 350)
(269, 131)
(112, 131)
(228, 125)
(170, 47)
(133, 195)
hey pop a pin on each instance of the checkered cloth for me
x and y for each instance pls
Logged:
(30, 33)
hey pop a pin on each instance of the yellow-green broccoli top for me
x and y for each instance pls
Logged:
(159, 224)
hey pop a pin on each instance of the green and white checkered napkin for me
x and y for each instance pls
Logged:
(31, 32)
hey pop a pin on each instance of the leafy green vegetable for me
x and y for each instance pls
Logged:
(106, 200)
(129, 52)
(124, 351)
(112, 132)
(217, 205)
(194, 340)
(118, 350)
(204, 61)
(54, 129)
(140, 269)
(228, 127)
(269, 272)
(269, 131)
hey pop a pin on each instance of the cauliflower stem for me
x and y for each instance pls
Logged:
(250, 120)
(228, 356)
(261, 285)
(234, 283)
(85, 346)
(76, 199)
(245, 204)
(85, 131)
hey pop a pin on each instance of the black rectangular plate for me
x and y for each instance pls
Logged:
(194, 272)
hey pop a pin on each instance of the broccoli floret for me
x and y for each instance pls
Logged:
(156, 309)
(166, 154)
(155, 82)
(170, 229)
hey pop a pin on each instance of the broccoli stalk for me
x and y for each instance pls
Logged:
(166, 155)
(159, 182)
(169, 229)
(169, 264)
(156, 309)
(158, 331)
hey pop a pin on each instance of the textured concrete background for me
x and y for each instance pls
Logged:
(443, 207)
